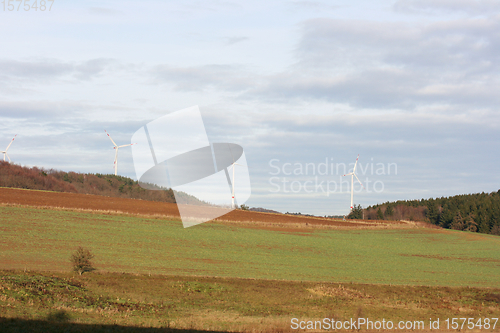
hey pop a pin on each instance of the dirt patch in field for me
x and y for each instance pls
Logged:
(248, 216)
(268, 221)
(340, 291)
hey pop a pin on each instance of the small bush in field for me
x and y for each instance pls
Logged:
(81, 260)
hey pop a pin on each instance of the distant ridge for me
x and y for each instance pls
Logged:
(16, 176)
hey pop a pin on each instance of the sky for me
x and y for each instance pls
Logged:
(412, 86)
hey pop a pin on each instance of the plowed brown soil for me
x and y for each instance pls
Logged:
(85, 201)
(142, 207)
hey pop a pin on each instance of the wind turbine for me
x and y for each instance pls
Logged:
(353, 174)
(116, 147)
(5, 151)
(233, 180)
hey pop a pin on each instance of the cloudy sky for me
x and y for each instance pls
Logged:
(413, 86)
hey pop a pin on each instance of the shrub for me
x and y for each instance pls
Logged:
(81, 260)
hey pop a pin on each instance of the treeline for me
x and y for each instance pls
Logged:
(34, 178)
(262, 210)
(478, 212)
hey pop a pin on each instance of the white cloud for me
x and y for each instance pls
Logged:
(197, 78)
(472, 7)
(235, 39)
(319, 6)
(51, 69)
(30, 69)
(387, 64)
(103, 11)
(368, 64)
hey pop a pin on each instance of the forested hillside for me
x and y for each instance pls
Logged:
(12, 175)
(478, 212)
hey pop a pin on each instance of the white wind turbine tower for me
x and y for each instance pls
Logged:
(5, 151)
(233, 165)
(116, 147)
(353, 174)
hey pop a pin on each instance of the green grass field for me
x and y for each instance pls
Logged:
(43, 239)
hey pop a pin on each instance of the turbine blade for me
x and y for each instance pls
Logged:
(10, 143)
(359, 180)
(7, 157)
(355, 164)
(109, 136)
(130, 144)
(348, 174)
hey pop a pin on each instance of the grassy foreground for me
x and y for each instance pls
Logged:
(155, 276)
(95, 302)
(43, 239)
